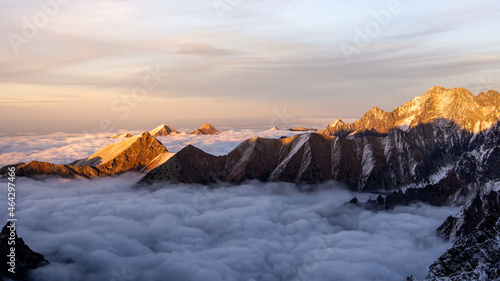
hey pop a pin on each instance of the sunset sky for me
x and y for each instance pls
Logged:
(72, 66)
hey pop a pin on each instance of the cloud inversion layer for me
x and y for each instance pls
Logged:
(103, 229)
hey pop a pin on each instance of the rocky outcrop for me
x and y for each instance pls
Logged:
(206, 129)
(25, 258)
(439, 194)
(471, 113)
(471, 215)
(475, 255)
(163, 130)
(274, 129)
(133, 154)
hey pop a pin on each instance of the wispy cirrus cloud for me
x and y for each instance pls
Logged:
(264, 53)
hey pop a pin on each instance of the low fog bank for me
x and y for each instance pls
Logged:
(103, 229)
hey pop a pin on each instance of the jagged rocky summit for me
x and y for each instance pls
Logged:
(25, 258)
(471, 113)
(206, 129)
(138, 153)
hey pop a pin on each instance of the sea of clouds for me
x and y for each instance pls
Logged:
(107, 229)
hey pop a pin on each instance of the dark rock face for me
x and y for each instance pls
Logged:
(190, 165)
(471, 216)
(132, 154)
(301, 159)
(26, 259)
(475, 255)
(438, 194)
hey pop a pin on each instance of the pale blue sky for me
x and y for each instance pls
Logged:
(248, 66)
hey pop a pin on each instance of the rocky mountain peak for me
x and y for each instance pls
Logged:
(206, 129)
(490, 98)
(338, 122)
(189, 165)
(452, 93)
(130, 145)
(163, 130)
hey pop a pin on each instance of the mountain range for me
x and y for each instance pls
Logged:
(471, 113)
(440, 148)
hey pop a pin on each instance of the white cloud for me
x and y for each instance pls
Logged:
(54, 148)
(102, 228)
